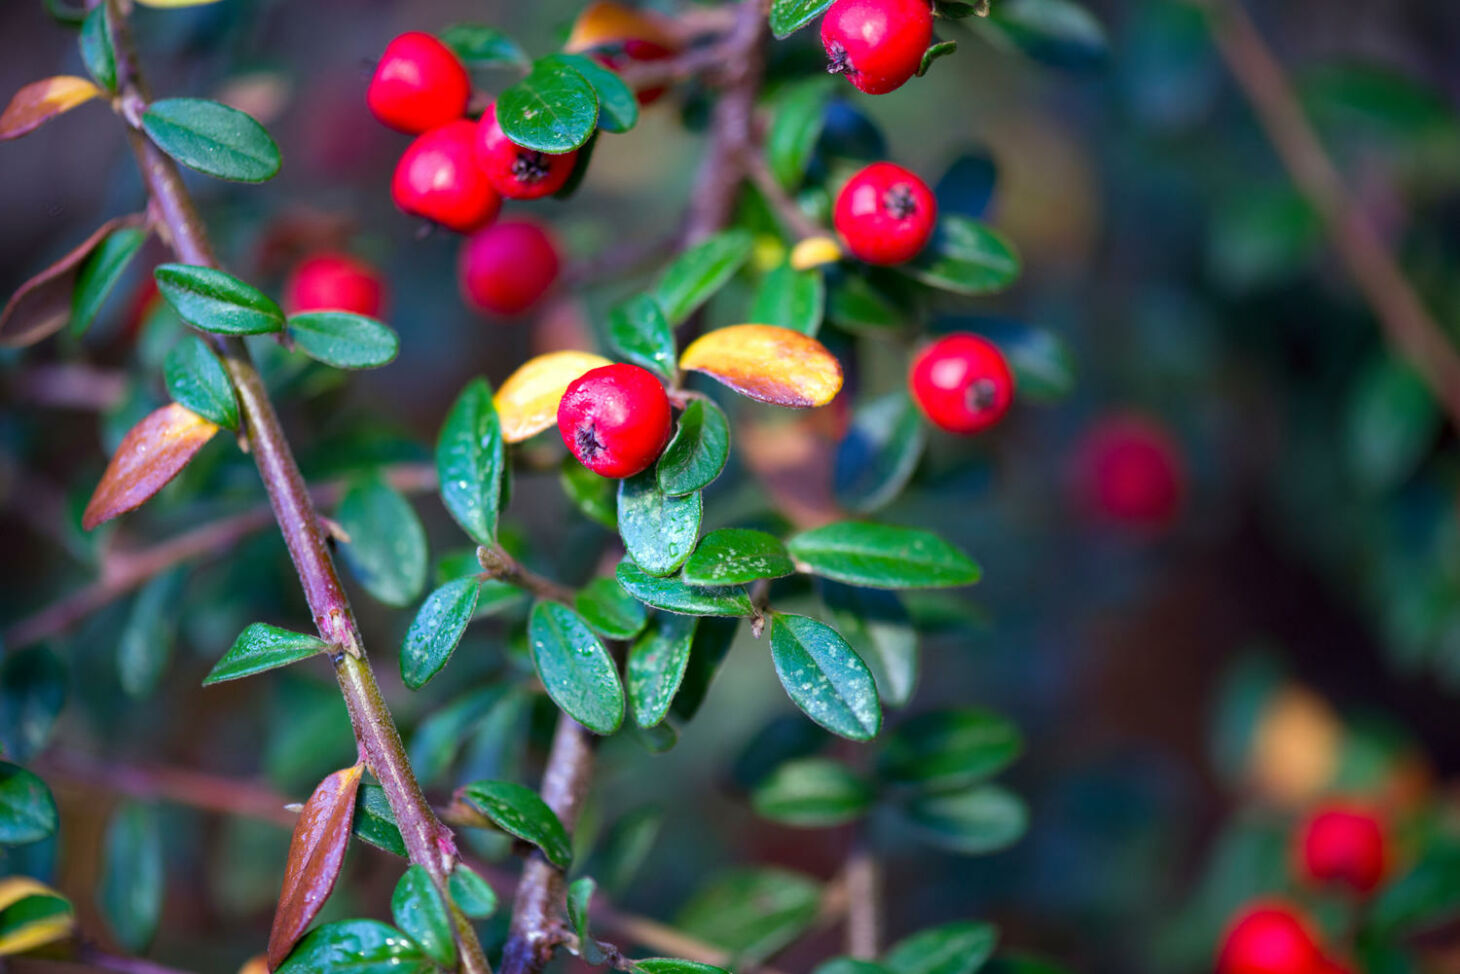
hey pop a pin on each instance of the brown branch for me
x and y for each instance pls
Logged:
(1407, 324)
(790, 212)
(497, 564)
(864, 903)
(70, 385)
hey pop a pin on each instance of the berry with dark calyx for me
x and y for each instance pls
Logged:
(885, 214)
(877, 44)
(962, 383)
(615, 419)
(1129, 471)
(1343, 844)
(438, 178)
(334, 282)
(515, 172)
(418, 85)
(1270, 937)
(506, 268)
(631, 50)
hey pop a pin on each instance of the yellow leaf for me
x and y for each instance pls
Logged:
(527, 403)
(815, 251)
(768, 363)
(43, 100)
(606, 22)
(19, 933)
(152, 453)
(1295, 747)
(258, 964)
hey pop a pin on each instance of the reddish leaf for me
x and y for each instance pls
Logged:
(43, 100)
(42, 306)
(152, 453)
(316, 854)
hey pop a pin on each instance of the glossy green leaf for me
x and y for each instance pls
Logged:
(517, 809)
(618, 107)
(471, 893)
(640, 333)
(700, 271)
(1058, 32)
(344, 340)
(27, 810)
(752, 912)
(436, 630)
(420, 911)
(470, 461)
(553, 109)
(145, 647)
(966, 257)
(879, 454)
(881, 556)
(961, 947)
(374, 822)
(595, 496)
(673, 965)
(824, 677)
(796, 119)
(97, 51)
(610, 610)
(218, 302)
(735, 556)
(196, 378)
(812, 793)
(1392, 424)
(935, 51)
(480, 46)
(712, 642)
(33, 684)
(659, 530)
(672, 595)
(132, 877)
(789, 16)
(100, 272)
(878, 628)
(981, 819)
(857, 305)
(947, 749)
(212, 138)
(656, 665)
(357, 947)
(792, 299)
(698, 452)
(263, 647)
(580, 895)
(575, 668)
(387, 546)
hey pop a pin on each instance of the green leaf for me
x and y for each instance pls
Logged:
(961, 947)
(789, 16)
(64, 13)
(575, 669)
(438, 737)
(656, 666)
(480, 46)
(517, 809)
(878, 628)
(935, 51)
(796, 121)
(659, 530)
(357, 947)
(263, 647)
(39, 916)
(672, 595)
(344, 340)
(1044, 369)
(436, 630)
(100, 272)
(1392, 424)
(966, 257)
(879, 454)
(712, 642)
(580, 894)
(791, 299)
(387, 546)
(145, 646)
(553, 109)
(132, 876)
(212, 138)
(27, 810)
(420, 911)
(97, 52)
(214, 301)
(856, 305)
(640, 334)
(374, 822)
(610, 610)
(698, 452)
(32, 693)
(673, 965)
(196, 379)
(881, 556)
(701, 271)
(812, 793)
(824, 677)
(978, 820)
(618, 106)
(735, 556)
(595, 496)
(752, 912)
(471, 892)
(470, 462)
(1057, 32)
(948, 749)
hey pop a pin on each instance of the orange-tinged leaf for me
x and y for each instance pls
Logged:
(768, 363)
(257, 964)
(42, 305)
(815, 251)
(152, 453)
(606, 22)
(527, 403)
(40, 101)
(316, 853)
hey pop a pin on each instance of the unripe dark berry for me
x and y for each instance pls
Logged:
(885, 214)
(1270, 938)
(507, 267)
(1345, 845)
(418, 85)
(615, 419)
(515, 172)
(962, 383)
(438, 178)
(631, 50)
(1129, 471)
(334, 282)
(877, 44)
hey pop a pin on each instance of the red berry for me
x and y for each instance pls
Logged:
(634, 49)
(962, 383)
(438, 178)
(1130, 471)
(885, 214)
(615, 419)
(1343, 844)
(1270, 938)
(418, 84)
(334, 282)
(515, 172)
(508, 266)
(877, 44)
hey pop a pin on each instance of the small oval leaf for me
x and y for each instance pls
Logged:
(961, 947)
(527, 403)
(32, 915)
(263, 647)
(947, 749)
(344, 340)
(359, 947)
(641, 334)
(212, 138)
(966, 257)
(575, 668)
(700, 271)
(27, 810)
(789, 16)
(41, 101)
(736, 556)
(656, 666)
(132, 876)
(767, 363)
(42, 305)
(823, 677)
(216, 301)
(100, 272)
(658, 530)
(196, 379)
(791, 298)
(881, 556)
(152, 453)
(436, 630)
(518, 810)
(699, 450)
(387, 546)
(672, 595)
(553, 109)
(610, 610)
(978, 820)
(812, 793)
(469, 462)
(420, 911)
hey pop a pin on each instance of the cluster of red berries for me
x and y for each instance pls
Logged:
(1339, 845)
(877, 44)
(458, 170)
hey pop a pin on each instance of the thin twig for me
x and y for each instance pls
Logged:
(864, 903)
(791, 214)
(497, 564)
